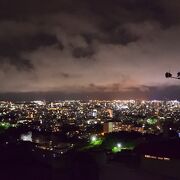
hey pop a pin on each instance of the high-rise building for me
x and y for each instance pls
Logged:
(108, 127)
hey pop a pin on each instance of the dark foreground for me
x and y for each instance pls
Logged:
(23, 164)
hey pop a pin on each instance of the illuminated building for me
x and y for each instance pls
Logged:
(26, 137)
(94, 113)
(110, 111)
(108, 127)
(119, 126)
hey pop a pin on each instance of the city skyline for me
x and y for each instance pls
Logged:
(89, 50)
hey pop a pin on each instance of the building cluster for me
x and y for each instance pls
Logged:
(116, 115)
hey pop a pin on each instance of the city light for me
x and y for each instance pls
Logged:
(26, 137)
(119, 145)
(5, 125)
(93, 138)
(157, 158)
(95, 141)
(117, 148)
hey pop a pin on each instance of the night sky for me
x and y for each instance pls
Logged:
(84, 49)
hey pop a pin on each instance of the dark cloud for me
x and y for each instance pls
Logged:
(15, 45)
(113, 11)
(118, 47)
(68, 75)
(82, 52)
(65, 75)
(19, 63)
(11, 48)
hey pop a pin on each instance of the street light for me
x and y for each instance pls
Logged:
(119, 145)
(169, 75)
(93, 138)
(117, 148)
(178, 74)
